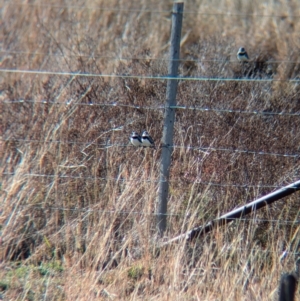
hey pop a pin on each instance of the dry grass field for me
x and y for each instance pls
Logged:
(78, 202)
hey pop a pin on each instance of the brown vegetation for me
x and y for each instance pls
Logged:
(79, 202)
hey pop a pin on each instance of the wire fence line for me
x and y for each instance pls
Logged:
(141, 58)
(282, 255)
(95, 178)
(157, 107)
(148, 10)
(80, 74)
(226, 248)
(197, 148)
(254, 220)
(150, 77)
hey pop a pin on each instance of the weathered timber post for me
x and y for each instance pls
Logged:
(287, 288)
(169, 116)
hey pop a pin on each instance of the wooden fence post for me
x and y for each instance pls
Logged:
(287, 288)
(169, 116)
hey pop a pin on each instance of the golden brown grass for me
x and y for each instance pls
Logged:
(78, 217)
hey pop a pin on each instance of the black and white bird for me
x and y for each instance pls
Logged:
(147, 140)
(135, 139)
(242, 55)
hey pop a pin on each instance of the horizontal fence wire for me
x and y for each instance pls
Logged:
(226, 248)
(254, 220)
(122, 180)
(281, 255)
(204, 149)
(127, 212)
(142, 58)
(158, 107)
(150, 77)
(147, 10)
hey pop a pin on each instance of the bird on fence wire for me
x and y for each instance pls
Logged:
(147, 140)
(242, 55)
(136, 139)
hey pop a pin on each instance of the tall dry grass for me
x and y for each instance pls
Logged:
(78, 217)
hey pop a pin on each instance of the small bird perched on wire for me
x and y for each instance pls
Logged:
(135, 139)
(147, 140)
(242, 55)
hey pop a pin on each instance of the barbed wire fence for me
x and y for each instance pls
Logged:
(287, 281)
(158, 107)
(145, 10)
(150, 77)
